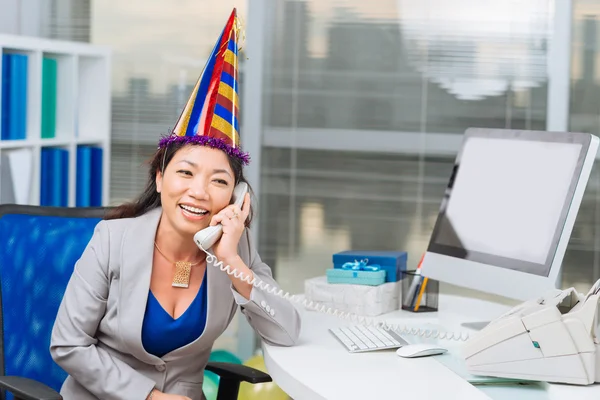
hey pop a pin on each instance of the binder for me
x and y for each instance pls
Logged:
(89, 176)
(17, 124)
(4, 124)
(49, 84)
(45, 175)
(83, 176)
(61, 178)
(54, 177)
(96, 190)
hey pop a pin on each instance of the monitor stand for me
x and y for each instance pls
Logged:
(477, 326)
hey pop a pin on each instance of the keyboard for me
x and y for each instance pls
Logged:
(360, 338)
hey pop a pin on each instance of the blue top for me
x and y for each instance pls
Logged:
(162, 334)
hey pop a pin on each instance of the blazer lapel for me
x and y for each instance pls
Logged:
(136, 270)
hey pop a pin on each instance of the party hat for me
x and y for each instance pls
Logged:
(210, 116)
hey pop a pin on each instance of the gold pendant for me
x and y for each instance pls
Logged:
(183, 270)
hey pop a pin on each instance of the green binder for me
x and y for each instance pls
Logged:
(49, 71)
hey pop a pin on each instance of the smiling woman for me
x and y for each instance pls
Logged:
(143, 308)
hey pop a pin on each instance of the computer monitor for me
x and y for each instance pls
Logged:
(509, 209)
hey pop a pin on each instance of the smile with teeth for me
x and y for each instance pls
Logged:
(194, 210)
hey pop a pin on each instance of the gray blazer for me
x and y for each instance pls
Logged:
(97, 334)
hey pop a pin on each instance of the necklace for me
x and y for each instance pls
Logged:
(183, 270)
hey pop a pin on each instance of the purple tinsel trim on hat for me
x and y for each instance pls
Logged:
(215, 143)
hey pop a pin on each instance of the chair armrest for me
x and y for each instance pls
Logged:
(28, 389)
(238, 372)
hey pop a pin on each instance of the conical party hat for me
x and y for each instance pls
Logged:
(210, 116)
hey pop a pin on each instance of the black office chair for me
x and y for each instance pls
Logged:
(38, 250)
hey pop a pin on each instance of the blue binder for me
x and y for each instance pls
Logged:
(4, 126)
(89, 177)
(60, 177)
(54, 189)
(45, 172)
(18, 97)
(84, 177)
(96, 191)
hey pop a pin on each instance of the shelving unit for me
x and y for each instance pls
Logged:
(67, 104)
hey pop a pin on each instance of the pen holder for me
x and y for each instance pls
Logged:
(419, 294)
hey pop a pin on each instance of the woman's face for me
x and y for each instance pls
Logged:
(198, 182)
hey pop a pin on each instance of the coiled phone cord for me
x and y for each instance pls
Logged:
(363, 320)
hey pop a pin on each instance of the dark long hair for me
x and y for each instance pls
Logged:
(150, 198)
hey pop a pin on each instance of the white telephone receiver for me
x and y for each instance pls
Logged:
(207, 237)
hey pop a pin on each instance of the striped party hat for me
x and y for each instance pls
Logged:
(210, 116)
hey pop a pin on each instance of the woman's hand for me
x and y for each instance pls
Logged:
(226, 249)
(232, 218)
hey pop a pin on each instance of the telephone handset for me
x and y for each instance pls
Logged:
(207, 237)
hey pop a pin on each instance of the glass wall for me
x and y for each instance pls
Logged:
(584, 116)
(364, 105)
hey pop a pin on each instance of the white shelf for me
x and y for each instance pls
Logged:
(83, 106)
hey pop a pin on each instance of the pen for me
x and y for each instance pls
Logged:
(421, 293)
(414, 286)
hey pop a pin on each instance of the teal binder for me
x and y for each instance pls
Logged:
(49, 84)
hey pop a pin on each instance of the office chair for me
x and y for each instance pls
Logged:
(38, 250)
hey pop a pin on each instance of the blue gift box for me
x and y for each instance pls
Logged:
(393, 262)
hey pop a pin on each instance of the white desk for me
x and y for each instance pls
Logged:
(319, 367)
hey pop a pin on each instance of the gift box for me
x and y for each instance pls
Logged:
(372, 278)
(364, 300)
(393, 262)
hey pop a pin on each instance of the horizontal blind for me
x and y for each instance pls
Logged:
(409, 66)
(69, 20)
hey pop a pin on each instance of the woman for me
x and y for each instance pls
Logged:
(143, 306)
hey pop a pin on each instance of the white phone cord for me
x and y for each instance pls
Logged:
(367, 321)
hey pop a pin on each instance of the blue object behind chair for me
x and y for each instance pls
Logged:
(37, 256)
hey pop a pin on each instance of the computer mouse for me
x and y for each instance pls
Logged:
(420, 350)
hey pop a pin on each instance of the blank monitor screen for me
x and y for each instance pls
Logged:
(507, 201)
